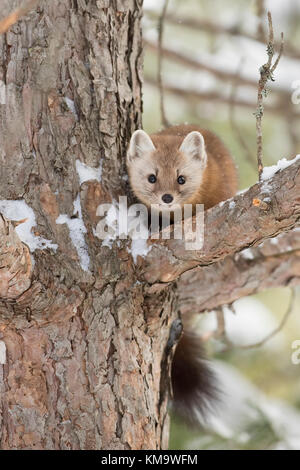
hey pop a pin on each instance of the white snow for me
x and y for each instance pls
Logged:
(247, 254)
(121, 224)
(19, 210)
(111, 221)
(152, 5)
(87, 173)
(269, 171)
(71, 105)
(2, 92)
(2, 352)
(139, 247)
(231, 203)
(77, 231)
(242, 191)
(252, 323)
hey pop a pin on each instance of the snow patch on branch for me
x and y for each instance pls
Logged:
(87, 173)
(77, 231)
(269, 171)
(19, 210)
(231, 202)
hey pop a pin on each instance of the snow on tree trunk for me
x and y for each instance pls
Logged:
(84, 361)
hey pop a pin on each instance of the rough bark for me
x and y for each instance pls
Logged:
(275, 263)
(263, 211)
(86, 346)
(86, 358)
(15, 262)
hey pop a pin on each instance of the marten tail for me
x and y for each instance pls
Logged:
(194, 384)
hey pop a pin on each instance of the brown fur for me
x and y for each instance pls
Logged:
(194, 385)
(219, 180)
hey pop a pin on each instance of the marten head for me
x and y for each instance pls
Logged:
(165, 172)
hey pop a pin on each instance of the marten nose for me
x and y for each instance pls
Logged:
(167, 198)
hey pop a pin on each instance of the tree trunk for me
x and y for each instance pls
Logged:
(84, 361)
(86, 330)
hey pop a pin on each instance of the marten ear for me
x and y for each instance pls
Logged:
(193, 145)
(140, 144)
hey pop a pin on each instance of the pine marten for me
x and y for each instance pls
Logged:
(183, 165)
(180, 165)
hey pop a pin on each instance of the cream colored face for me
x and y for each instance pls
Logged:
(166, 177)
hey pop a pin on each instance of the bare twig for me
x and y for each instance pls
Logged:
(11, 19)
(231, 345)
(266, 74)
(159, 68)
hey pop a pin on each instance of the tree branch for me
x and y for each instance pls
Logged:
(263, 211)
(275, 263)
(212, 96)
(201, 25)
(198, 65)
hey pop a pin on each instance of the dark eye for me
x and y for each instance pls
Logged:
(181, 179)
(152, 179)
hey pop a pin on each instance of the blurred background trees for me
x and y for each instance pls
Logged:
(212, 52)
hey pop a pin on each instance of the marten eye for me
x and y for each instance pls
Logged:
(181, 179)
(152, 179)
